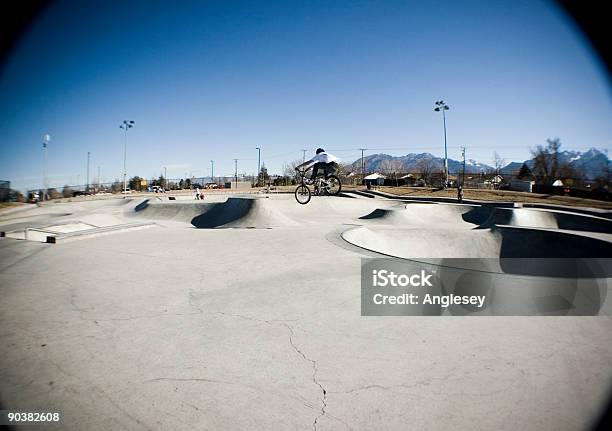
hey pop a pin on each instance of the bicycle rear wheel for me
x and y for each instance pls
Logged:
(333, 185)
(302, 194)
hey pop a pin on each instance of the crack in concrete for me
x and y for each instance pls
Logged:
(254, 319)
(314, 376)
(171, 379)
(416, 384)
(323, 408)
(226, 382)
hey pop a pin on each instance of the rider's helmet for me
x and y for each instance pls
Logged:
(320, 150)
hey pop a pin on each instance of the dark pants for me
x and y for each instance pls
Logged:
(326, 167)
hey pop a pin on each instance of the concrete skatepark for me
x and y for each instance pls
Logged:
(243, 312)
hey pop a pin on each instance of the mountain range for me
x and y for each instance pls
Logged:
(591, 163)
(413, 163)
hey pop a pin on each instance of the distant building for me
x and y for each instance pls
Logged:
(522, 185)
(5, 189)
(407, 180)
(497, 180)
(238, 185)
(375, 179)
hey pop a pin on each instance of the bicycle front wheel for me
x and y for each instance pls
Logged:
(302, 194)
(333, 185)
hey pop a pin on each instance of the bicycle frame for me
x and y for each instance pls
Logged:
(321, 185)
(318, 183)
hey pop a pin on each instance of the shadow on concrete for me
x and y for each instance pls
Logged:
(224, 213)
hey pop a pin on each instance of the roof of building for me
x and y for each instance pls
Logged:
(374, 176)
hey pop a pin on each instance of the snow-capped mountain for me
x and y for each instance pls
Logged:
(591, 164)
(414, 162)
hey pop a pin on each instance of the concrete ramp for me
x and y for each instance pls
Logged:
(422, 215)
(426, 244)
(437, 230)
(525, 242)
(170, 210)
(254, 213)
(547, 219)
(582, 222)
(520, 217)
(235, 212)
(498, 242)
(458, 216)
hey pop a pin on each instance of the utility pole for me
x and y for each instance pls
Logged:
(165, 179)
(99, 184)
(607, 169)
(303, 156)
(87, 187)
(258, 163)
(362, 166)
(441, 106)
(212, 171)
(236, 172)
(463, 174)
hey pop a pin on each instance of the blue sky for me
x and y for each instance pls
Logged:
(214, 80)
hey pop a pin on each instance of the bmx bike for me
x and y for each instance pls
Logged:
(321, 186)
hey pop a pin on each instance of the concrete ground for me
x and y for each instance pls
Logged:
(179, 328)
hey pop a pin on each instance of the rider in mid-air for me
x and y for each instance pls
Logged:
(322, 160)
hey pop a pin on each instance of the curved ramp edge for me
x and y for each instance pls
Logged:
(250, 213)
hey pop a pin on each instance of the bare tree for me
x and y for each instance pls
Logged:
(425, 169)
(392, 167)
(603, 179)
(67, 192)
(53, 193)
(498, 162)
(342, 172)
(546, 161)
(567, 171)
(116, 186)
(289, 170)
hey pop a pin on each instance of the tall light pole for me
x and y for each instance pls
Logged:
(362, 166)
(87, 187)
(258, 164)
(212, 171)
(46, 139)
(165, 179)
(236, 172)
(126, 125)
(441, 106)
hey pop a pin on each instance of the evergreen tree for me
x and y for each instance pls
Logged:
(524, 172)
